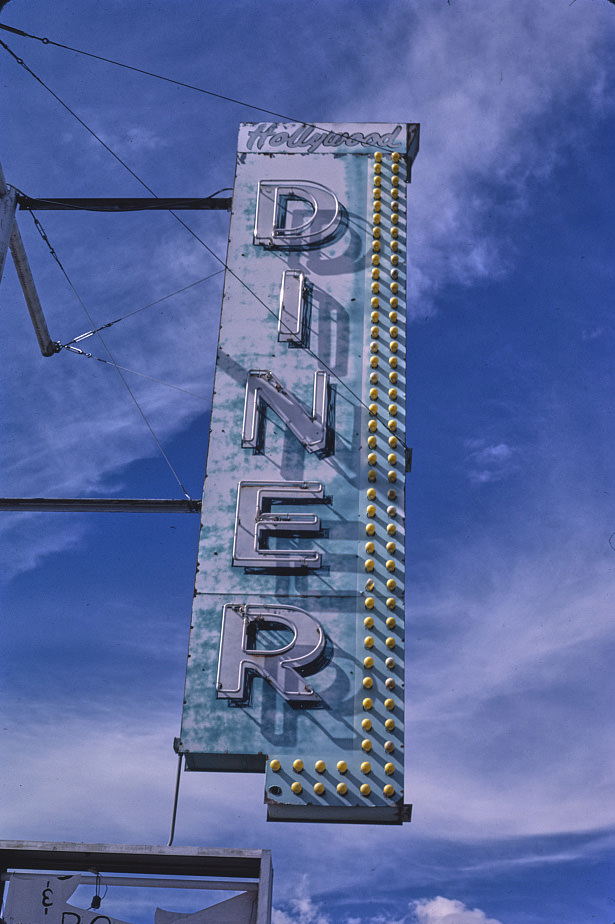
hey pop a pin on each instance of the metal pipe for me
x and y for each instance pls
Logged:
(24, 274)
(124, 205)
(97, 505)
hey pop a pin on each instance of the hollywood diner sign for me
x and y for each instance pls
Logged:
(296, 663)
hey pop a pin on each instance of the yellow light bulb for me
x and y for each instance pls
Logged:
(373, 362)
(394, 287)
(368, 641)
(369, 603)
(319, 788)
(367, 703)
(372, 458)
(369, 564)
(389, 704)
(393, 376)
(370, 510)
(393, 361)
(390, 547)
(366, 744)
(372, 474)
(320, 766)
(389, 724)
(393, 396)
(368, 662)
(375, 302)
(391, 583)
(372, 442)
(392, 476)
(369, 547)
(368, 683)
(390, 565)
(390, 664)
(392, 458)
(393, 410)
(372, 426)
(296, 787)
(389, 769)
(275, 765)
(373, 409)
(394, 331)
(369, 584)
(390, 604)
(365, 789)
(373, 346)
(370, 529)
(343, 789)
(342, 766)
(390, 642)
(366, 767)
(391, 529)
(389, 683)
(298, 765)
(389, 747)
(366, 724)
(388, 790)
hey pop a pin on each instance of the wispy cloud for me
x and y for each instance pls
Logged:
(487, 463)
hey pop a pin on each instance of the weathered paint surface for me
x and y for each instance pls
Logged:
(355, 332)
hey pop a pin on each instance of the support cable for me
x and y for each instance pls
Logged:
(78, 352)
(43, 234)
(90, 333)
(178, 83)
(181, 222)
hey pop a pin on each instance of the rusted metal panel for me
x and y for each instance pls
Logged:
(296, 648)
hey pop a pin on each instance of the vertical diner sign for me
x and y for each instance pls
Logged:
(296, 661)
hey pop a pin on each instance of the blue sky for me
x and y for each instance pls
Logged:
(510, 512)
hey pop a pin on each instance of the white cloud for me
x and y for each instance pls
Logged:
(441, 910)
(301, 909)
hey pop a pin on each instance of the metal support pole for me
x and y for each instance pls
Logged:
(97, 505)
(24, 274)
(134, 204)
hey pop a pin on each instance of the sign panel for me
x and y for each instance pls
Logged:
(296, 648)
